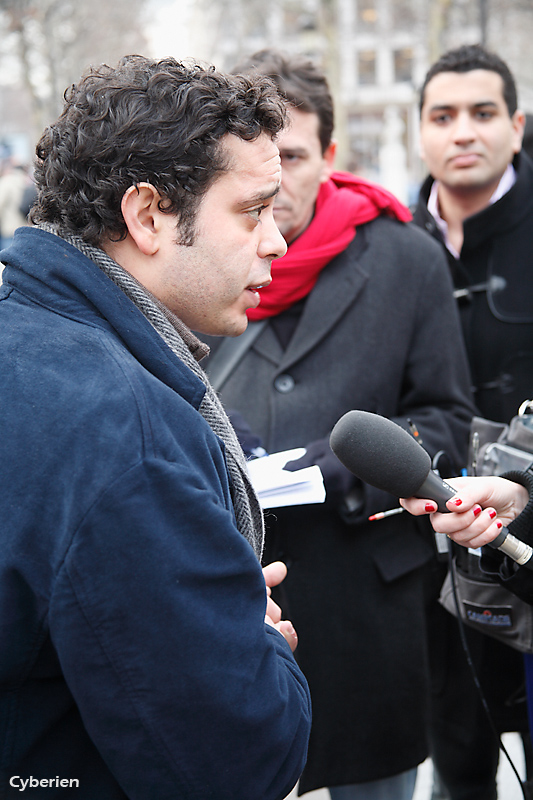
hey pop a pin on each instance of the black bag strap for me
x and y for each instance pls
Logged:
(223, 362)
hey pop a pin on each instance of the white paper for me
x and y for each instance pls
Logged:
(278, 487)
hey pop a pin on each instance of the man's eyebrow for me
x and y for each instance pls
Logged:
(451, 106)
(261, 197)
(440, 107)
(299, 151)
(485, 103)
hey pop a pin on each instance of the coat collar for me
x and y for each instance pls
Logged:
(52, 273)
(494, 219)
(334, 292)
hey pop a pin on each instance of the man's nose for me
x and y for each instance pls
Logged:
(464, 129)
(272, 244)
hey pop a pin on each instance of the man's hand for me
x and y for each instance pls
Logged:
(274, 574)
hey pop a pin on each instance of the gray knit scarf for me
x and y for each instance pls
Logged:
(188, 349)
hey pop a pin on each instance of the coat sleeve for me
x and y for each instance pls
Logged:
(158, 621)
(500, 567)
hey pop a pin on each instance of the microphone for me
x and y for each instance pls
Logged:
(381, 453)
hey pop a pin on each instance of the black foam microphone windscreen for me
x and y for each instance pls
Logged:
(384, 455)
(380, 452)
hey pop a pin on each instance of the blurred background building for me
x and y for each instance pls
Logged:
(375, 52)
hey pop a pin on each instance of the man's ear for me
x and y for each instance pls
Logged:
(140, 209)
(519, 125)
(328, 161)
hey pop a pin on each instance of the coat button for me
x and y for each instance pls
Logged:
(284, 384)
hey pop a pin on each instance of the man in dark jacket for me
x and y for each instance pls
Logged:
(359, 315)
(478, 204)
(139, 656)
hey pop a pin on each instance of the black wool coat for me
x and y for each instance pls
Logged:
(494, 281)
(378, 332)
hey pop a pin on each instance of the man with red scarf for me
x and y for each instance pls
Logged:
(359, 314)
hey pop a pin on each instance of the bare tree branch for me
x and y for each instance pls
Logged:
(56, 40)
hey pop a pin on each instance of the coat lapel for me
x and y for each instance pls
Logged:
(335, 291)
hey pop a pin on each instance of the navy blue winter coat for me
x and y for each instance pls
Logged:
(134, 657)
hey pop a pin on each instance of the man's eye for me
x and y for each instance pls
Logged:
(255, 213)
(442, 119)
(484, 115)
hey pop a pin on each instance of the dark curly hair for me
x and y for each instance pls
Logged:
(159, 122)
(469, 57)
(302, 83)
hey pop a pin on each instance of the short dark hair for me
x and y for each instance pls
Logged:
(469, 57)
(151, 121)
(302, 83)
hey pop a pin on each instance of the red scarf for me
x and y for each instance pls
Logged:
(343, 202)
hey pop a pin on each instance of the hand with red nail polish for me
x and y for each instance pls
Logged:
(477, 512)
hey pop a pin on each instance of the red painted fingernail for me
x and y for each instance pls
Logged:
(477, 510)
(499, 524)
(430, 507)
(492, 514)
(457, 501)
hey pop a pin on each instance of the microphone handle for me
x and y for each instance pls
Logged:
(438, 490)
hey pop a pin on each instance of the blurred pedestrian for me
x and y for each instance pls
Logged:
(13, 183)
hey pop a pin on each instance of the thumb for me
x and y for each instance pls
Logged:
(274, 573)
